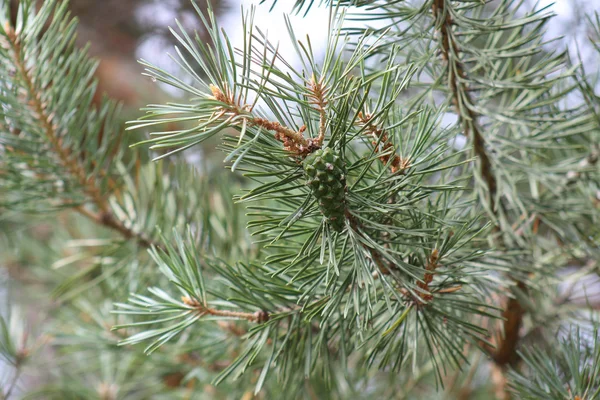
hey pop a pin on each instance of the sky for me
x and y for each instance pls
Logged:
(314, 24)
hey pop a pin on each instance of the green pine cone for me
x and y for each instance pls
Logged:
(326, 176)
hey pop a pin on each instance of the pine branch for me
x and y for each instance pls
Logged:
(316, 283)
(67, 158)
(506, 349)
(432, 265)
(463, 103)
(45, 120)
(293, 141)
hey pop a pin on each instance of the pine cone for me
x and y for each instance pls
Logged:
(326, 176)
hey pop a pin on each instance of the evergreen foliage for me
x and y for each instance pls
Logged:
(356, 249)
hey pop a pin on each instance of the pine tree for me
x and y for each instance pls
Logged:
(361, 246)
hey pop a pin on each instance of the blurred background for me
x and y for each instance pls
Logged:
(119, 32)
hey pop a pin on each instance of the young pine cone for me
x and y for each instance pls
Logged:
(326, 176)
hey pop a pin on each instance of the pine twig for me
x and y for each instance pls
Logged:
(258, 316)
(427, 294)
(506, 351)
(384, 268)
(293, 141)
(109, 221)
(318, 98)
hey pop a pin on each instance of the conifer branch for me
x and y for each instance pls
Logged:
(427, 294)
(461, 97)
(71, 162)
(462, 100)
(403, 268)
(45, 120)
(108, 220)
(283, 133)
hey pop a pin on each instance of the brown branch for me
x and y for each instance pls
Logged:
(506, 351)
(384, 268)
(293, 141)
(388, 156)
(49, 129)
(427, 294)
(67, 159)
